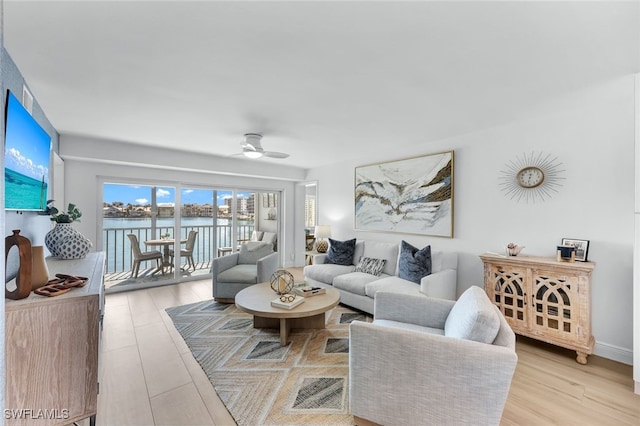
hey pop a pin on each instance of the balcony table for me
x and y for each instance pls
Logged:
(166, 244)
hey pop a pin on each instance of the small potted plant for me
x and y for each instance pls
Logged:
(72, 214)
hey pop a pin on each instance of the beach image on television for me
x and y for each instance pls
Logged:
(27, 155)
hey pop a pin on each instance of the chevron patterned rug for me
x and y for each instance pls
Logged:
(262, 383)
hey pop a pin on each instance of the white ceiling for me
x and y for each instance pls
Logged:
(320, 80)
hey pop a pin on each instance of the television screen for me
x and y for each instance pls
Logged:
(27, 152)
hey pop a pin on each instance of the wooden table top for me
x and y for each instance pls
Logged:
(163, 242)
(256, 300)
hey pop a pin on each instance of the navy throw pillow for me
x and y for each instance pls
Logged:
(341, 252)
(414, 264)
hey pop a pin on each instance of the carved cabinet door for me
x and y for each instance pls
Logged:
(506, 287)
(555, 305)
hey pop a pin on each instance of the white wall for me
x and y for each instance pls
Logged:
(592, 134)
(88, 162)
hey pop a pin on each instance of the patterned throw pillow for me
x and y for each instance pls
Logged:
(414, 264)
(341, 252)
(371, 266)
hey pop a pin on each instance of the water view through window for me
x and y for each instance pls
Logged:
(149, 212)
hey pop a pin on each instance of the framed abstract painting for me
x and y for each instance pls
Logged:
(413, 195)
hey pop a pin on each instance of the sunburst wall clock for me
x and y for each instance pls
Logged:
(532, 177)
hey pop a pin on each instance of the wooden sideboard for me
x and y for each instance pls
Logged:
(52, 346)
(543, 298)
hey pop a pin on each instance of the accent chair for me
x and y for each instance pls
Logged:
(187, 251)
(429, 361)
(254, 263)
(140, 256)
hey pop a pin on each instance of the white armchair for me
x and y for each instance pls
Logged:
(428, 361)
(254, 264)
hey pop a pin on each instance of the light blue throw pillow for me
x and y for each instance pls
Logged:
(414, 263)
(473, 317)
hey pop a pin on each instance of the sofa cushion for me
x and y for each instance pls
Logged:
(393, 284)
(325, 273)
(414, 263)
(246, 274)
(341, 252)
(473, 317)
(387, 251)
(252, 251)
(256, 235)
(355, 282)
(370, 266)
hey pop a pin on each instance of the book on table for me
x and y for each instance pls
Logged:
(277, 303)
(308, 291)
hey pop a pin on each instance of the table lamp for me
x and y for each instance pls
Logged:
(322, 232)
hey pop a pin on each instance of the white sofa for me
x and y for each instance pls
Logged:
(358, 289)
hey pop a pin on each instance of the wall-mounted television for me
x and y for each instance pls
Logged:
(27, 155)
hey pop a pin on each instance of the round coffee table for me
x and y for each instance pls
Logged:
(256, 300)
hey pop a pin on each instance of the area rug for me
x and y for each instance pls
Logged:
(263, 383)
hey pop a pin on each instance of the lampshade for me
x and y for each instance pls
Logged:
(323, 231)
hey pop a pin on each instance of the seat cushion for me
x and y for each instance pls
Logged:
(152, 254)
(473, 317)
(414, 263)
(325, 273)
(341, 252)
(393, 284)
(355, 282)
(246, 274)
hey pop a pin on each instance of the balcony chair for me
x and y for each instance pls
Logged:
(139, 256)
(428, 361)
(255, 263)
(187, 251)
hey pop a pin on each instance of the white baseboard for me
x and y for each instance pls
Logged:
(615, 353)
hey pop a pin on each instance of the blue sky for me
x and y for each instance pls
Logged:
(28, 146)
(141, 195)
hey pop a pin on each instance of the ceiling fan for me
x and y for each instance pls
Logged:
(251, 148)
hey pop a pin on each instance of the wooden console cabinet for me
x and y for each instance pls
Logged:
(543, 298)
(52, 347)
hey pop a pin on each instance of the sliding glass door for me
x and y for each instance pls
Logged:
(138, 233)
(147, 240)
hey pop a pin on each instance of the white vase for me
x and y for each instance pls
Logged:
(65, 242)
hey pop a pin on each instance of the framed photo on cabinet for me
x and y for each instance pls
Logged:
(582, 247)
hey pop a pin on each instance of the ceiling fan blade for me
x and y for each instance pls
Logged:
(274, 154)
(250, 147)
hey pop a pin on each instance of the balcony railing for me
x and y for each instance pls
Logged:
(117, 245)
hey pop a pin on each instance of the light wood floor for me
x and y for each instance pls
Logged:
(148, 376)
